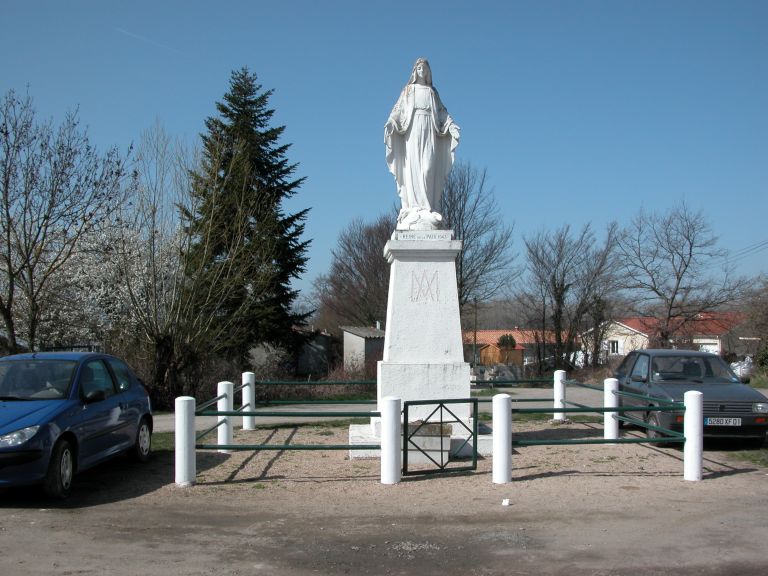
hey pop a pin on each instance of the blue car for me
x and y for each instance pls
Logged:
(61, 413)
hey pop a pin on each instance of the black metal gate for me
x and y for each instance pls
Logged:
(421, 436)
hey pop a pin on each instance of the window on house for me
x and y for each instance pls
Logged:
(613, 346)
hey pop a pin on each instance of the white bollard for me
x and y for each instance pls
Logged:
(559, 394)
(502, 438)
(391, 450)
(225, 405)
(693, 429)
(610, 400)
(249, 399)
(186, 467)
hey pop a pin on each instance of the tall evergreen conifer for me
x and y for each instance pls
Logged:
(239, 188)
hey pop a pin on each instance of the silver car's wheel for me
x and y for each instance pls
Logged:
(61, 470)
(622, 424)
(654, 420)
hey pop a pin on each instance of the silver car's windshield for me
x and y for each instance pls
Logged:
(691, 368)
(35, 379)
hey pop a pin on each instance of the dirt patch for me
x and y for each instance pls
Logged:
(590, 509)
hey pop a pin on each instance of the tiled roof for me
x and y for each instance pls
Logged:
(705, 324)
(522, 337)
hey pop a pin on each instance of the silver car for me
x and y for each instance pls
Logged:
(731, 408)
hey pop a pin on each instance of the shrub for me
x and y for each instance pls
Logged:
(506, 341)
(761, 358)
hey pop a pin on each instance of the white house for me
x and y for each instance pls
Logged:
(715, 332)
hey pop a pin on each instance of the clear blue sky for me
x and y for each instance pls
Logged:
(581, 111)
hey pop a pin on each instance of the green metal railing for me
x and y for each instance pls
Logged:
(671, 435)
(441, 408)
(201, 410)
(582, 385)
(287, 414)
(655, 405)
(315, 383)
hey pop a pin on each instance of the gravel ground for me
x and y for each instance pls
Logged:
(590, 509)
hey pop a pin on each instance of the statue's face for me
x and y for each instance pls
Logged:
(421, 71)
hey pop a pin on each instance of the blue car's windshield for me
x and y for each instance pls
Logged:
(691, 368)
(36, 379)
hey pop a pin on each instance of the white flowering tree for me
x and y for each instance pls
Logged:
(55, 190)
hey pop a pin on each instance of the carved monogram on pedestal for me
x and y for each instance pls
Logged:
(424, 287)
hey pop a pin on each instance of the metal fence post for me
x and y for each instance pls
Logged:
(610, 400)
(391, 453)
(186, 467)
(559, 395)
(502, 438)
(249, 400)
(225, 405)
(693, 429)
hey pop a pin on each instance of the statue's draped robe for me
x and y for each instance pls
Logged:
(419, 147)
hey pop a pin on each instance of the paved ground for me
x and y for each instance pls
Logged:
(587, 510)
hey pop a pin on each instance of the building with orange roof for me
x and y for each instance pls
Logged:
(484, 344)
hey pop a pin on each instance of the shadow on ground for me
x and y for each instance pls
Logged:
(118, 479)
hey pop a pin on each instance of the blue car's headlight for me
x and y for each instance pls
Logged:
(18, 437)
(760, 407)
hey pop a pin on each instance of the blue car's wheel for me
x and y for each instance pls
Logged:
(143, 445)
(61, 470)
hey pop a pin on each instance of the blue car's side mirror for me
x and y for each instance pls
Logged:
(95, 396)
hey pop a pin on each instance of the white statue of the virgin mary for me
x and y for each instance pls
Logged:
(420, 137)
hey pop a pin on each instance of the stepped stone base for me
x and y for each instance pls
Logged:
(363, 434)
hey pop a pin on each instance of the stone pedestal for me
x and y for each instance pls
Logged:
(423, 352)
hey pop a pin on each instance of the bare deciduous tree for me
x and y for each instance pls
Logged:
(568, 274)
(667, 263)
(484, 268)
(756, 309)
(174, 300)
(55, 188)
(355, 289)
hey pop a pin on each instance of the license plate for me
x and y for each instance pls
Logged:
(722, 421)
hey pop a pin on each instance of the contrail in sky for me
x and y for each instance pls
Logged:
(149, 41)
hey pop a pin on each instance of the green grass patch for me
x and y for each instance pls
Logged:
(757, 457)
(162, 441)
(485, 392)
(547, 416)
(537, 417)
(543, 417)
(586, 419)
(353, 397)
(341, 423)
(759, 379)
